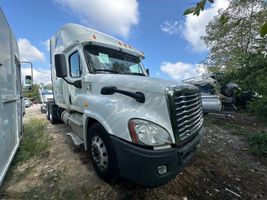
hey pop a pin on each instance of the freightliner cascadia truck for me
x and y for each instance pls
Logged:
(133, 126)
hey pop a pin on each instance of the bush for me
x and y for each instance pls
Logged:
(258, 143)
(259, 106)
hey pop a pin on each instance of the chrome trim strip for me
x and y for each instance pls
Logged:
(197, 105)
(187, 101)
(194, 113)
(189, 120)
(193, 130)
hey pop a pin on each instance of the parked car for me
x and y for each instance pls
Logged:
(27, 103)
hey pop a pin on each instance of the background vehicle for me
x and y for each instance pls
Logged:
(211, 100)
(27, 102)
(136, 127)
(46, 96)
(10, 96)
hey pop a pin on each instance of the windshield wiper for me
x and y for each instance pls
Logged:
(107, 70)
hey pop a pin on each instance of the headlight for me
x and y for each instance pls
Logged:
(148, 133)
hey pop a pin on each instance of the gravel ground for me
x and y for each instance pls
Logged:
(221, 169)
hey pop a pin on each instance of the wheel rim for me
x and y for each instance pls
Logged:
(99, 153)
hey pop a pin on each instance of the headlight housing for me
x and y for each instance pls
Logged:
(148, 133)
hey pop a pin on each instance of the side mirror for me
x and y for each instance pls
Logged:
(147, 71)
(60, 65)
(28, 82)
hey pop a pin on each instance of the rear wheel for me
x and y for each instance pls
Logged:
(102, 153)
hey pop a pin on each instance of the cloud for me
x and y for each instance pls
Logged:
(180, 70)
(28, 52)
(171, 27)
(157, 73)
(39, 75)
(195, 26)
(46, 44)
(116, 16)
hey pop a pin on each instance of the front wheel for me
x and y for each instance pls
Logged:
(102, 153)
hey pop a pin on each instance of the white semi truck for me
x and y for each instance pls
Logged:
(133, 126)
(11, 107)
(46, 95)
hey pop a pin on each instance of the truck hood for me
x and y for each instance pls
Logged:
(138, 83)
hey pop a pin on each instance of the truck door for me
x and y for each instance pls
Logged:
(19, 95)
(75, 73)
(10, 102)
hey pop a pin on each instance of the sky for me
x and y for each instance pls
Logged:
(171, 42)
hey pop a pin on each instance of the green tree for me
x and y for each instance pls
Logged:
(200, 6)
(233, 35)
(237, 49)
(237, 43)
(34, 93)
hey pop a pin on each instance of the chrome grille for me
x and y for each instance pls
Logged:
(186, 113)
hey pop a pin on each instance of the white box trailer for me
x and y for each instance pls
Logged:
(10, 96)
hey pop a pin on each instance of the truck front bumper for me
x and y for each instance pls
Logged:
(140, 165)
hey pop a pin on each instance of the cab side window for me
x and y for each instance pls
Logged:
(75, 65)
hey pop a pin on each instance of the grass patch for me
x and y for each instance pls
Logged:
(231, 126)
(35, 141)
(258, 143)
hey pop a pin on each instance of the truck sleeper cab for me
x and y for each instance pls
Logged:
(133, 126)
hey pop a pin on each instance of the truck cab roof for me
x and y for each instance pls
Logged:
(71, 34)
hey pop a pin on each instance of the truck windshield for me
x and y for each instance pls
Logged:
(206, 89)
(105, 60)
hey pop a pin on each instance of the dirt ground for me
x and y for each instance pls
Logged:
(221, 169)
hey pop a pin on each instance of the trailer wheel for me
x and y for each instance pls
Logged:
(102, 153)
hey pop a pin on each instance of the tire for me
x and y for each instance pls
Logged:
(102, 153)
(48, 111)
(42, 110)
(53, 116)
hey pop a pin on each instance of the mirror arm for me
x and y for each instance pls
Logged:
(69, 82)
(76, 84)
